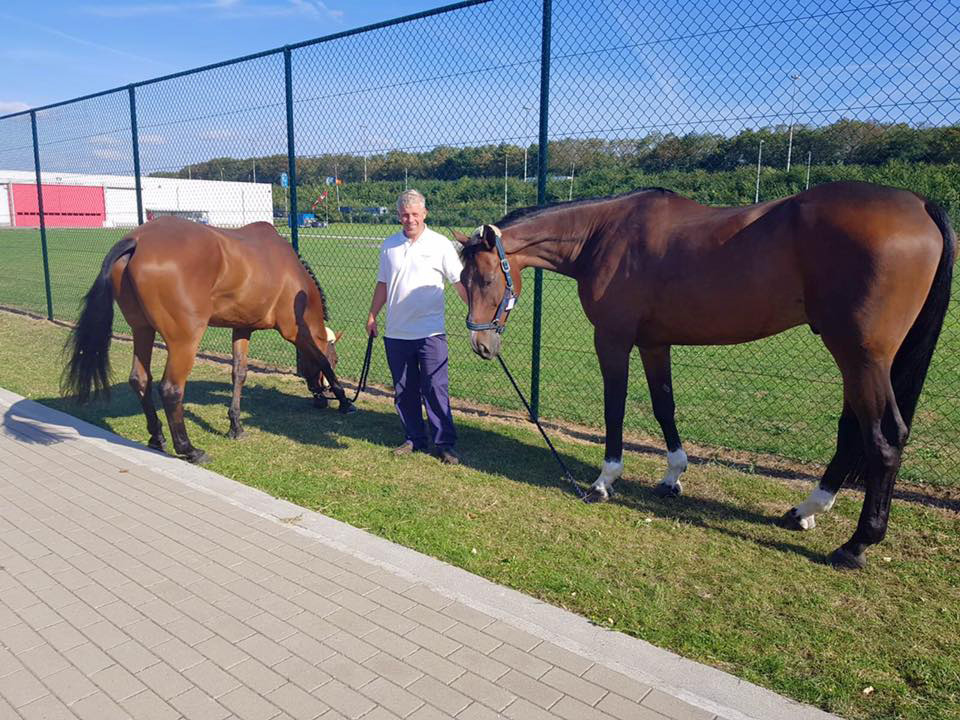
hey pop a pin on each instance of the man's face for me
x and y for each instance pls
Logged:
(412, 218)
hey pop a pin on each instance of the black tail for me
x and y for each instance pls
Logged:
(913, 358)
(89, 342)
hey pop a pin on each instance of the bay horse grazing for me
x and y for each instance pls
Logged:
(176, 277)
(867, 267)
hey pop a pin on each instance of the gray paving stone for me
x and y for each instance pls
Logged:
(484, 691)
(164, 681)
(434, 665)
(257, 676)
(301, 673)
(20, 688)
(391, 696)
(296, 702)
(673, 707)
(99, 707)
(623, 709)
(533, 690)
(432, 640)
(343, 699)
(118, 682)
(148, 704)
(572, 709)
(213, 680)
(576, 664)
(88, 658)
(484, 666)
(197, 705)
(570, 684)
(42, 661)
(440, 695)
(248, 705)
(46, 708)
(522, 661)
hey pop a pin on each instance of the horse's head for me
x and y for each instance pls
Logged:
(492, 288)
(309, 366)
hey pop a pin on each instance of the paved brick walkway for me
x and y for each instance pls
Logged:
(133, 585)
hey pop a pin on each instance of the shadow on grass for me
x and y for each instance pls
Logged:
(486, 450)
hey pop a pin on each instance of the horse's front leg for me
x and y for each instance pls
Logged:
(614, 356)
(656, 366)
(241, 346)
(346, 407)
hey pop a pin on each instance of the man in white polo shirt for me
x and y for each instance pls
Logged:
(414, 264)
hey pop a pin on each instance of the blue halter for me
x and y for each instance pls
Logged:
(498, 324)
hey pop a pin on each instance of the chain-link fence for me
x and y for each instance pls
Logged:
(727, 103)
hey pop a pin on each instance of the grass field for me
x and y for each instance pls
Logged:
(707, 575)
(779, 396)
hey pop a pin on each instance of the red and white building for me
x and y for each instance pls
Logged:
(92, 201)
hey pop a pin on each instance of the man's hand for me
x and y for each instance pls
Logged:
(372, 326)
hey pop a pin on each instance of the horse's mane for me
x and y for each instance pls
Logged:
(313, 275)
(515, 216)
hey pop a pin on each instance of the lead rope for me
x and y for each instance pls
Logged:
(566, 472)
(362, 382)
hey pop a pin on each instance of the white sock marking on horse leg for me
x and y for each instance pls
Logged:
(676, 464)
(819, 501)
(609, 474)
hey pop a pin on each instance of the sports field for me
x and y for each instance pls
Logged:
(778, 396)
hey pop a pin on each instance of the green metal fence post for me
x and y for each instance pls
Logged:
(541, 200)
(43, 224)
(136, 153)
(291, 158)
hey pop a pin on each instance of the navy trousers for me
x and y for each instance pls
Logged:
(419, 370)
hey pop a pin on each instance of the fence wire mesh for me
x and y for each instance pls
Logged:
(725, 102)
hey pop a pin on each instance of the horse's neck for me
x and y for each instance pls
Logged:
(551, 244)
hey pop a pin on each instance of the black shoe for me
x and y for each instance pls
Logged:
(446, 455)
(408, 448)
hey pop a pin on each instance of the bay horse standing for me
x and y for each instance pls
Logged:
(176, 277)
(867, 267)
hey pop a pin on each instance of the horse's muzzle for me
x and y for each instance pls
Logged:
(485, 343)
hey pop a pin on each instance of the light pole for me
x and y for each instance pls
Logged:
(756, 197)
(793, 109)
(504, 179)
(364, 128)
(527, 108)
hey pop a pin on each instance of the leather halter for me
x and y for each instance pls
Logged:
(498, 324)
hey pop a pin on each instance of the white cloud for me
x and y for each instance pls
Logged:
(12, 106)
(240, 9)
(74, 39)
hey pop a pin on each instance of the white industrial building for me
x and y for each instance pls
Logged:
(75, 200)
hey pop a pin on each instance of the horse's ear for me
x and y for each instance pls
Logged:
(488, 235)
(461, 238)
(336, 338)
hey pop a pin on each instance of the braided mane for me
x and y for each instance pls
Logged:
(313, 276)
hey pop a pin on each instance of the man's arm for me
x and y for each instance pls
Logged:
(379, 300)
(461, 291)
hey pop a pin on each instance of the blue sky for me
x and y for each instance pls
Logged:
(622, 69)
(52, 50)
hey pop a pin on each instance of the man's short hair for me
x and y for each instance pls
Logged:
(411, 197)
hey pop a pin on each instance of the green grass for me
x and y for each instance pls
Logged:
(707, 575)
(777, 396)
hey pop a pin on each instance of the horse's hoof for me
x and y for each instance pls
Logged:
(790, 520)
(236, 433)
(843, 559)
(347, 407)
(662, 490)
(159, 445)
(197, 457)
(595, 495)
(320, 402)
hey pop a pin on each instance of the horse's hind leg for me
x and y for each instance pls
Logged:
(845, 462)
(868, 390)
(141, 380)
(241, 345)
(180, 358)
(656, 366)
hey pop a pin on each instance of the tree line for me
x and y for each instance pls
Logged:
(845, 142)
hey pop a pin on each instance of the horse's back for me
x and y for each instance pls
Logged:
(188, 273)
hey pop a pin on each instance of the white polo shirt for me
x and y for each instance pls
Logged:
(414, 273)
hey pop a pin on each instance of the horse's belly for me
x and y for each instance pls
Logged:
(236, 317)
